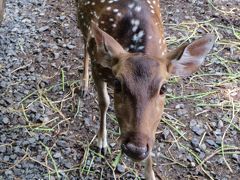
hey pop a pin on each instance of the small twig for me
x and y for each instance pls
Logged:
(224, 134)
(22, 67)
(173, 127)
(172, 160)
(53, 161)
(202, 139)
(78, 107)
(215, 153)
(63, 79)
(44, 165)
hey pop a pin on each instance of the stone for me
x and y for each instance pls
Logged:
(211, 142)
(120, 168)
(5, 120)
(57, 155)
(198, 130)
(44, 28)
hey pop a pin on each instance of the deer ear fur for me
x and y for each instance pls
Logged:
(186, 59)
(107, 46)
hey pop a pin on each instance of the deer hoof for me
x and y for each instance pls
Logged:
(102, 146)
(83, 91)
(102, 151)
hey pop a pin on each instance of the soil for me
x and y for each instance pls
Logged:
(48, 132)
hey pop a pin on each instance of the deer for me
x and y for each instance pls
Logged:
(124, 39)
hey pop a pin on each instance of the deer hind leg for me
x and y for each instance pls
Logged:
(103, 100)
(85, 79)
(149, 173)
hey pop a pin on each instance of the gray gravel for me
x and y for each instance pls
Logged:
(23, 60)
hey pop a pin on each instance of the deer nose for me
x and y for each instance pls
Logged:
(137, 153)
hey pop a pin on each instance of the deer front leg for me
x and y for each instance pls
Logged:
(85, 79)
(103, 100)
(149, 173)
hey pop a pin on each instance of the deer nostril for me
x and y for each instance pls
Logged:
(135, 152)
(136, 149)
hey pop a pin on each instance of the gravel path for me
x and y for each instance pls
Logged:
(36, 41)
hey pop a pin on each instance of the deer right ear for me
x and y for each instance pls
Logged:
(186, 59)
(107, 47)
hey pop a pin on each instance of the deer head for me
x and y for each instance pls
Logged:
(139, 85)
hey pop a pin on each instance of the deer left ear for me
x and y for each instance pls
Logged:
(107, 46)
(186, 59)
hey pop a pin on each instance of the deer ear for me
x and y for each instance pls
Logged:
(186, 59)
(107, 47)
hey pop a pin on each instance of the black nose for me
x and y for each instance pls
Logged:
(137, 153)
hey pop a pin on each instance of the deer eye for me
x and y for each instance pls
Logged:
(117, 86)
(163, 89)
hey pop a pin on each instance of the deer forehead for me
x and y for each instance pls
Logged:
(142, 75)
(143, 67)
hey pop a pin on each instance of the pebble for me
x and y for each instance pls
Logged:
(218, 132)
(57, 155)
(5, 120)
(198, 130)
(62, 143)
(182, 112)
(190, 158)
(87, 121)
(17, 149)
(211, 142)
(179, 106)
(44, 28)
(13, 156)
(203, 147)
(3, 138)
(202, 155)
(219, 140)
(236, 157)
(195, 142)
(70, 47)
(6, 158)
(17, 172)
(31, 140)
(8, 172)
(112, 145)
(193, 164)
(165, 133)
(120, 168)
(62, 18)
(2, 149)
(220, 124)
(68, 165)
(220, 160)
(213, 124)
(56, 56)
(193, 123)
(3, 84)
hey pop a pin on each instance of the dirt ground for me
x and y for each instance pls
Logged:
(48, 132)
